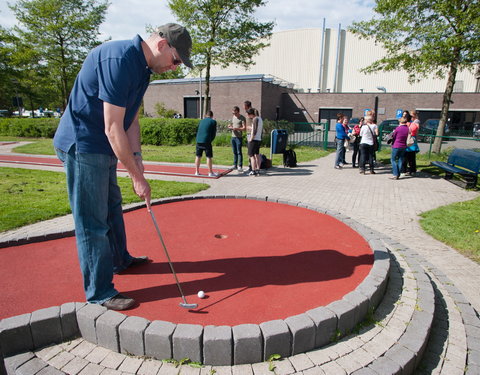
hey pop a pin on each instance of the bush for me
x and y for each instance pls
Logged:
(170, 132)
(29, 127)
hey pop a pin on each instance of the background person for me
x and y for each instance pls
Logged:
(254, 141)
(410, 163)
(356, 143)
(207, 130)
(99, 127)
(238, 126)
(340, 136)
(400, 135)
(368, 132)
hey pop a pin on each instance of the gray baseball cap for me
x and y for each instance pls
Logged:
(178, 37)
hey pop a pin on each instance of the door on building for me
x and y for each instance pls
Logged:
(192, 107)
(330, 115)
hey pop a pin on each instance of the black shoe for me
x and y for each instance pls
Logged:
(354, 166)
(119, 303)
(138, 261)
(372, 172)
(362, 171)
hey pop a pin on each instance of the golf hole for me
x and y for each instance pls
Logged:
(221, 236)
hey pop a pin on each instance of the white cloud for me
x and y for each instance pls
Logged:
(126, 18)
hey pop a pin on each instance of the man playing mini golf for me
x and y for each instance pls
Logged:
(99, 127)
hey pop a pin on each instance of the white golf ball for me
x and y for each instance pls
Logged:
(201, 294)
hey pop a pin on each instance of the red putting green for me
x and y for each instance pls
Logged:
(256, 261)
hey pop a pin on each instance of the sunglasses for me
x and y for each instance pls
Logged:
(176, 61)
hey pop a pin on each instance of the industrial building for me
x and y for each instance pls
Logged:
(309, 75)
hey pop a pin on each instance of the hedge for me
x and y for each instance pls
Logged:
(154, 131)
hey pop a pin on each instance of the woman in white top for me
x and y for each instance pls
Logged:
(368, 134)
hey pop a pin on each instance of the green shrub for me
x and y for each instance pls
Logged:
(29, 127)
(170, 132)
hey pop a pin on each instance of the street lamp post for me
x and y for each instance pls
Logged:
(15, 82)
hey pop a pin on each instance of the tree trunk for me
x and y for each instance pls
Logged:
(447, 96)
(207, 84)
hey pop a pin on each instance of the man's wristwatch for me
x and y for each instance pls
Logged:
(137, 153)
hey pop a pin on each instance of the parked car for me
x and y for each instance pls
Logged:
(387, 126)
(429, 129)
(476, 130)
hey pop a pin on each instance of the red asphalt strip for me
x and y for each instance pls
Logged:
(175, 170)
(256, 261)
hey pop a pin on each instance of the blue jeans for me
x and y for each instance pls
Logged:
(340, 154)
(96, 203)
(237, 152)
(397, 160)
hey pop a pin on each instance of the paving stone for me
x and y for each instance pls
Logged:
(159, 339)
(15, 361)
(187, 342)
(149, 367)
(301, 362)
(131, 333)
(247, 344)
(345, 313)
(385, 365)
(68, 321)
(49, 370)
(168, 369)
(107, 328)
(86, 319)
(131, 364)
(15, 335)
(284, 367)
(49, 352)
(46, 327)
(217, 345)
(314, 371)
(403, 357)
(97, 355)
(31, 367)
(303, 331)
(276, 339)
(361, 305)
(326, 324)
(242, 370)
(92, 369)
(83, 349)
(261, 368)
(75, 366)
(60, 360)
(333, 368)
(222, 370)
(113, 360)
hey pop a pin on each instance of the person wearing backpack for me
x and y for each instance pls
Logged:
(368, 134)
(254, 140)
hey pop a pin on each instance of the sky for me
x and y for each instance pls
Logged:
(126, 18)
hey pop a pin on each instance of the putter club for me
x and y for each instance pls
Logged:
(185, 304)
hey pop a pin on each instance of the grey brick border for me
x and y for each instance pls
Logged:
(135, 335)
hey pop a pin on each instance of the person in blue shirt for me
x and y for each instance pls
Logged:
(99, 127)
(207, 130)
(340, 136)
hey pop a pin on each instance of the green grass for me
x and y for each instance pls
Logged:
(222, 155)
(457, 225)
(30, 196)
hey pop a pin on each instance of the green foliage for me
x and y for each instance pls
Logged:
(51, 42)
(29, 127)
(425, 37)
(163, 112)
(172, 132)
(223, 32)
(457, 225)
(271, 361)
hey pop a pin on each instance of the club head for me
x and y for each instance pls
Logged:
(189, 305)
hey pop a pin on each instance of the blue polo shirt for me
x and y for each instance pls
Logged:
(114, 72)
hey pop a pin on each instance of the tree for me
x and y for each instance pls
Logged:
(223, 32)
(426, 37)
(55, 37)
